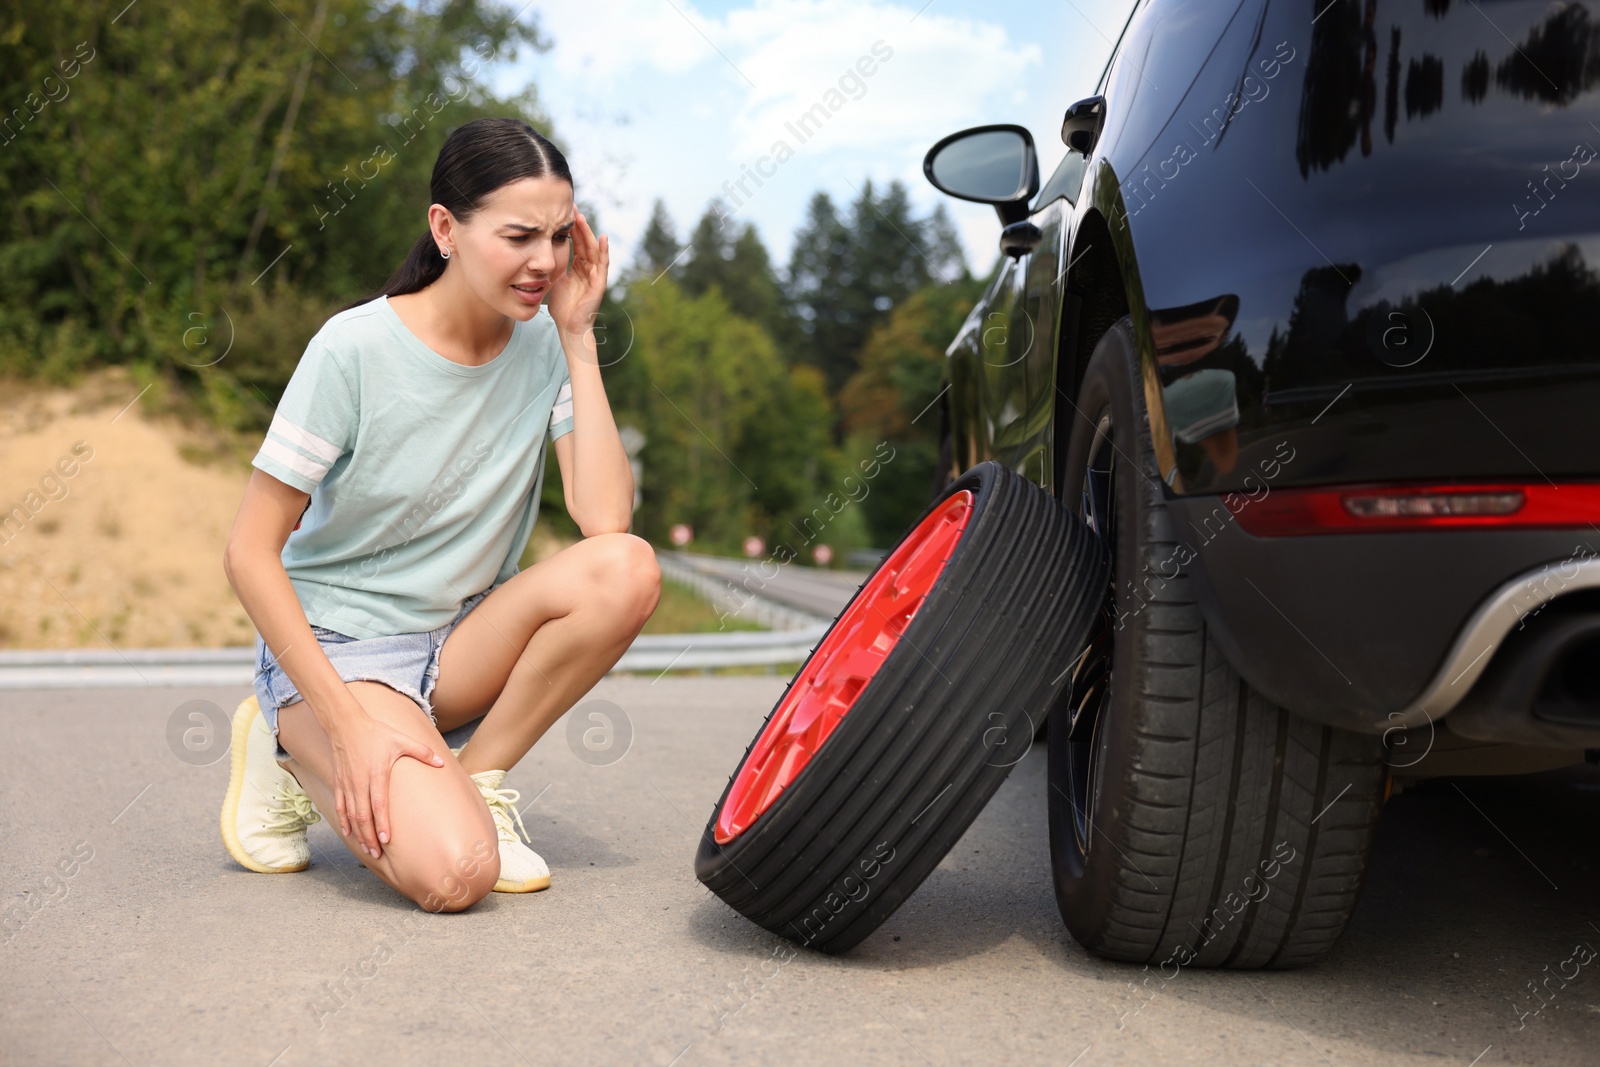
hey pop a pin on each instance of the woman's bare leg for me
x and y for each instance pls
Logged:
(442, 850)
(531, 648)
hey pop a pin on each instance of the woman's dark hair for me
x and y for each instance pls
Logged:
(477, 158)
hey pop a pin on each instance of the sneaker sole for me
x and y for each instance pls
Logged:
(230, 803)
(532, 885)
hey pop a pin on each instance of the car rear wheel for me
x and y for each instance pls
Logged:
(1191, 820)
(907, 715)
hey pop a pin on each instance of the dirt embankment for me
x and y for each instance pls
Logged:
(113, 521)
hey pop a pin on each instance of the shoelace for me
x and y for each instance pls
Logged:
(502, 806)
(292, 810)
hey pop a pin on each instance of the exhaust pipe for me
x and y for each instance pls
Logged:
(1543, 685)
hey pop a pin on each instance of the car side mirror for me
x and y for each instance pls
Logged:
(987, 164)
(1020, 239)
(1081, 128)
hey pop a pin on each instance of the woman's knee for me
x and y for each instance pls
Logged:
(452, 872)
(629, 571)
(447, 854)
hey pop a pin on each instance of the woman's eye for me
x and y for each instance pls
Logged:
(517, 240)
(562, 238)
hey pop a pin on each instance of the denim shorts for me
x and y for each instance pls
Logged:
(408, 663)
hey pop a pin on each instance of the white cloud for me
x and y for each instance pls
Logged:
(708, 94)
(605, 38)
(802, 52)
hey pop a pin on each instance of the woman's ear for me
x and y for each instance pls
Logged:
(442, 223)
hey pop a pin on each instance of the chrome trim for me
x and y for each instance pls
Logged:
(1504, 610)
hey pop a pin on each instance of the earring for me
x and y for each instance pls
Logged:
(444, 254)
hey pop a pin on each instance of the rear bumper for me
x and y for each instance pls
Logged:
(1375, 631)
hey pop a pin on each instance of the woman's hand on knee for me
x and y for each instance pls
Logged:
(364, 753)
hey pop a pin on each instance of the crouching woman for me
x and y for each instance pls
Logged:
(377, 546)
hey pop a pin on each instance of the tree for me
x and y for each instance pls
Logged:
(710, 375)
(225, 170)
(889, 398)
(710, 250)
(821, 274)
(736, 443)
(945, 257)
(740, 268)
(659, 247)
(791, 449)
(845, 278)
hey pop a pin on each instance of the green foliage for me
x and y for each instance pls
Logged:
(659, 247)
(192, 189)
(163, 170)
(681, 610)
(740, 267)
(715, 383)
(902, 366)
(845, 276)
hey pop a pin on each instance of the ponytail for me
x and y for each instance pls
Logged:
(477, 158)
(422, 267)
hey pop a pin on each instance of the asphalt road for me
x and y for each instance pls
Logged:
(158, 949)
(817, 590)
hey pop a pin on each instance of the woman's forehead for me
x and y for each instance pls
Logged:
(542, 202)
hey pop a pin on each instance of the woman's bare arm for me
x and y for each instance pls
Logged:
(253, 562)
(596, 477)
(364, 749)
(599, 464)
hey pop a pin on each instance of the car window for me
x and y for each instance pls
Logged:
(1065, 182)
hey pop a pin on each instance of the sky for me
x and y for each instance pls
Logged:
(681, 99)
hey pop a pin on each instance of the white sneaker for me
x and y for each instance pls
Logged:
(521, 868)
(265, 812)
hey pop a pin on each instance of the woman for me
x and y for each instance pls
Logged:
(414, 429)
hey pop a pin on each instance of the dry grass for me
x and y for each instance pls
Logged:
(127, 551)
(129, 555)
(683, 611)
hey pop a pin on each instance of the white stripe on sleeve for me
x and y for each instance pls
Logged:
(285, 456)
(563, 408)
(293, 434)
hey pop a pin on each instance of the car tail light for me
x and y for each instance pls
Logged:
(1373, 508)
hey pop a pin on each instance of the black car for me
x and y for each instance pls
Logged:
(1307, 324)
(1304, 331)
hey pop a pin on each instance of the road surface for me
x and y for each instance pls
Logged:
(160, 950)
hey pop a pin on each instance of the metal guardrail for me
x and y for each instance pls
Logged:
(72, 669)
(726, 598)
(795, 633)
(659, 652)
(132, 668)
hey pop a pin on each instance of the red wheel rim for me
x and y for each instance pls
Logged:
(850, 654)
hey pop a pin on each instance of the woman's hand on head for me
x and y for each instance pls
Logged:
(364, 753)
(574, 299)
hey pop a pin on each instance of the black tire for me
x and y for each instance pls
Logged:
(1192, 822)
(930, 736)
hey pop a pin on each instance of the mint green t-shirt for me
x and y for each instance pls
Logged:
(424, 474)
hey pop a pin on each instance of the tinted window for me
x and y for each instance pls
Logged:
(1065, 182)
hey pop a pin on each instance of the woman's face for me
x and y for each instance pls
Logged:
(516, 246)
